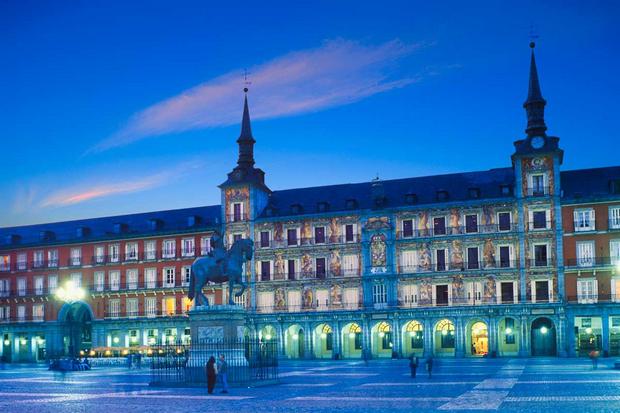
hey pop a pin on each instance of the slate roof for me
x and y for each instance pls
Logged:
(171, 221)
(591, 184)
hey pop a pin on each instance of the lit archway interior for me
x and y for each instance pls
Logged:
(352, 341)
(413, 338)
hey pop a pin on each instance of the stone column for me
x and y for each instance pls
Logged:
(493, 336)
(428, 337)
(397, 337)
(281, 343)
(524, 342)
(605, 332)
(308, 352)
(561, 336)
(366, 340)
(459, 330)
(336, 338)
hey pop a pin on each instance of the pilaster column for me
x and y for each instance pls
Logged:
(570, 334)
(459, 331)
(428, 337)
(281, 343)
(397, 337)
(308, 353)
(493, 336)
(605, 338)
(524, 342)
(366, 343)
(561, 337)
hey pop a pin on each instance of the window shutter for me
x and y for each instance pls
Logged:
(470, 292)
(613, 290)
(595, 290)
(515, 291)
(533, 290)
(498, 292)
(449, 293)
(550, 288)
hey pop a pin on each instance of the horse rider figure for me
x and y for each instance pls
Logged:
(218, 251)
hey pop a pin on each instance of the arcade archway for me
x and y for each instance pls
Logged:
(352, 341)
(76, 320)
(323, 341)
(413, 338)
(543, 337)
(294, 342)
(508, 332)
(478, 339)
(444, 338)
(381, 340)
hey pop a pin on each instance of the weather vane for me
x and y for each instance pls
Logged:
(533, 36)
(246, 82)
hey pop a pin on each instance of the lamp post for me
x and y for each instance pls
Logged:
(69, 293)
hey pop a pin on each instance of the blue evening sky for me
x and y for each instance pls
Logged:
(422, 88)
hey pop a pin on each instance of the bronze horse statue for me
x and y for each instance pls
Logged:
(205, 269)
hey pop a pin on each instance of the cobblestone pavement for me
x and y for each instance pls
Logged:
(512, 385)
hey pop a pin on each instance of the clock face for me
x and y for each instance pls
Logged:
(537, 142)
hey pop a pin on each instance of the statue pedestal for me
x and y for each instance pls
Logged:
(216, 330)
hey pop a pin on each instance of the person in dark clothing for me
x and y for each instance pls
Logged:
(429, 365)
(211, 374)
(413, 365)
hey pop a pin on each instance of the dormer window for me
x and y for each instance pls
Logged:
(269, 211)
(473, 193)
(614, 186)
(351, 204)
(296, 209)
(442, 195)
(155, 224)
(82, 232)
(505, 190)
(193, 220)
(322, 207)
(411, 199)
(120, 228)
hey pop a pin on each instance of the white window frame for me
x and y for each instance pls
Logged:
(474, 292)
(434, 297)
(350, 265)
(584, 219)
(533, 260)
(131, 251)
(150, 250)
(511, 256)
(131, 277)
(38, 312)
(76, 278)
(614, 217)
(379, 295)
(37, 258)
(99, 280)
(168, 248)
(114, 307)
(150, 306)
(409, 293)
(581, 252)
(129, 303)
(465, 215)
(21, 286)
(186, 273)
(52, 283)
(205, 245)
(408, 261)
(150, 277)
(344, 233)
(509, 220)
(169, 276)
(52, 258)
(21, 313)
(413, 227)
(38, 285)
(99, 254)
(76, 256)
(188, 247)
(614, 252)
(547, 212)
(115, 280)
(533, 289)
(22, 261)
(114, 252)
(587, 290)
(325, 236)
(530, 180)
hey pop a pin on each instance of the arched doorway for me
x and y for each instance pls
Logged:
(508, 332)
(76, 319)
(294, 342)
(478, 340)
(267, 334)
(543, 337)
(413, 338)
(381, 340)
(352, 341)
(444, 338)
(323, 341)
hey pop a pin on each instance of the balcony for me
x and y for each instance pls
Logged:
(236, 218)
(455, 230)
(144, 256)
(592, 262)
(310, 275)
(540, 226)
(540, 262)
(311, 241)
(463, 266)
(614, 224)
(140, 312)
(593, 299)
(538, 191)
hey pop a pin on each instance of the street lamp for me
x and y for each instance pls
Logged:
(70, 292)
(543, 330)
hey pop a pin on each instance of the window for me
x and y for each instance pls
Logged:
(350, 265)
(169, 305)
(614, 217)
(474, 292)
(169, 248)
(585, 253)
(169, 277)
(5, 288)
(265, 270)
(539, 219)
(150, 306)
(291, 236)
(186, 274)
(52, 283)
(113, 251)
(320, 268)
(472, 258)
(132, 279)
(149, 250)
(540, 255)
(349, 233)
(188, 247)
(52, 258)
(265, 301)
(76, 256)
(21, 286)
(21, 313)
(131, 251)
(442, 294)
(37, 258)
(131, 307)
(587, 291)
(538, 185)
(21, 261)
(471, 223)
(5, 263)
(507, 292)
(505, 256)
(440, 260)
(38, 285)
(439, 225)
(264, 239)
(115, 280)
(150, 277)
(76, 279)
(237, 211)
(584, 220)
(407, 228)
(379, 295)
(614, 252)
(319, 235)
(205, 245)
(504, 221)
(541, 291)
(99, 280)
(291, 269)
(5, 314)
(114, 307)
(99, 254)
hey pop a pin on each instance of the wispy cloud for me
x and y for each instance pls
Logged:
(87, 191)
(337, 73)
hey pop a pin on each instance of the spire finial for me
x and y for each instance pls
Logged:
(534, 104)
(246, 140)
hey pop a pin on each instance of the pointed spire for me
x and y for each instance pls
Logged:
(535, 103)
(246, 140)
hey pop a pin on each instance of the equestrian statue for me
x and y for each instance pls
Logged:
(220, 266)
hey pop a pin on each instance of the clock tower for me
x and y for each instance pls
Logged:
(536, 163)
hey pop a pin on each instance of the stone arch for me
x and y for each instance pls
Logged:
(543, 337)
(413, 338)
(477, 337)
(444, 334)
(267, 333)
(76, 320)
(323, 339)
(381, 339)
(294, 342)
(352, 340)
(508, 336)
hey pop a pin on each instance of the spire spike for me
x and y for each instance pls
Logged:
(246, 140)
(535, 103)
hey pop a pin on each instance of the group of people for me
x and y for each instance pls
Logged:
(414, 362)
(217, 369)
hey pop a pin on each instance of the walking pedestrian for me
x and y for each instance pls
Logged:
(594, 356)
(211, 374)
(413, 365)
(429, 365)
(222, 368)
